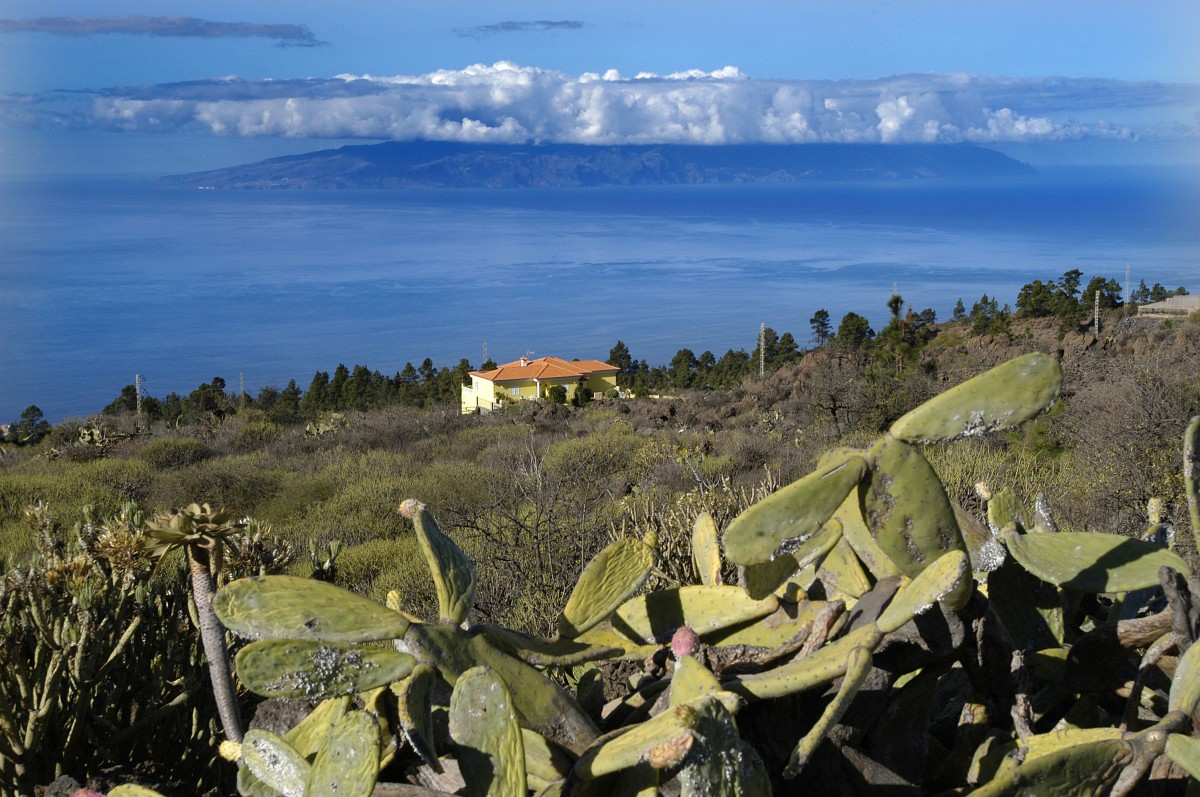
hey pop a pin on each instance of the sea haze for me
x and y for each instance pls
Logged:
(103, 279)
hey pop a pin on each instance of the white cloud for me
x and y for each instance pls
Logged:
(507, 102)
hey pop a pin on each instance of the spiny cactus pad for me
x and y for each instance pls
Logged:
(787, 518)
(918, 596)
(608, 580)
(276, 763)
(347, 765)
(491, 752)
(905, 507)
(1092, 562)
(999, 399)
(300, 608)
(655, 616)
(453, 573)
(706, 549)
(306, 668)
(414, 710)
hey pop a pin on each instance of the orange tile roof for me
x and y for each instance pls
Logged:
(545, 368)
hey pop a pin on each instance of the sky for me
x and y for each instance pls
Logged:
(93, 86)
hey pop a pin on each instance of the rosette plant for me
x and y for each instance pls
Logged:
(202, 532)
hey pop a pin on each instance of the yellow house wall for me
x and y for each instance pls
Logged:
(600, 384)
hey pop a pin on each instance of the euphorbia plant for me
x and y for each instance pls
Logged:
(202, 532)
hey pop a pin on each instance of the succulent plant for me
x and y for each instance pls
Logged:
(858, 574)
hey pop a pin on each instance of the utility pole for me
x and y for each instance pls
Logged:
(1126, 294)
(762, 354)
(137, 389)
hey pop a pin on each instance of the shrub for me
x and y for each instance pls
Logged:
(171, 453)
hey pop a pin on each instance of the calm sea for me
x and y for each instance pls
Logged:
(103, 279)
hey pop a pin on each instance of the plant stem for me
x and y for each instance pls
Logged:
(1191, 466)
(212, 634)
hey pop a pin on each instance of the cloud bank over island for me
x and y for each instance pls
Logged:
(286, 35)
(510, 103)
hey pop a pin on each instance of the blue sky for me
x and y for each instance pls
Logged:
(159, 87)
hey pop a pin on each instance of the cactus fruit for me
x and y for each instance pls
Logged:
(999, 399)
(609, 579)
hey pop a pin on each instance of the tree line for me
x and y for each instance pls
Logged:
(898, 345)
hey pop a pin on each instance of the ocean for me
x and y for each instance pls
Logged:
(105, 278)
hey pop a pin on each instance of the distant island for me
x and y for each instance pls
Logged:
(434, 164)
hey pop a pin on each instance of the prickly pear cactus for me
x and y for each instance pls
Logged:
(856, 606)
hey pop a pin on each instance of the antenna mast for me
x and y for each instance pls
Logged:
(762, 354)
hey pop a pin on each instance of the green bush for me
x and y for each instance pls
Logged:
(170, 453)
(375, 567)
(557, 394)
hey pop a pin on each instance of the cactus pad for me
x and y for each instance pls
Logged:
(655, 616)
(706, 550)
(1092, 562)
(348, 763)
(1185, 685)
(305, 668)
(918, 596)
(414, 709)
(301, 608)
(999, 399)
(491, 752)
(765, 578)
(1185, 751)
(787, 518)
(275, 762)
(608, 580)
(453, 573)
(905, 507)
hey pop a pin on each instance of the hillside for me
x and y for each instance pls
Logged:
(426, 164)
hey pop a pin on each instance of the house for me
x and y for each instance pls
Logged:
(532, 379)
(1171, 306)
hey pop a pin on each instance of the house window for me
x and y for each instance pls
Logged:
(514, 391)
